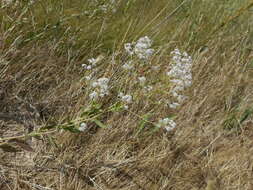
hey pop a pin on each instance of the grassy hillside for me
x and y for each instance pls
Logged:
(127, 94)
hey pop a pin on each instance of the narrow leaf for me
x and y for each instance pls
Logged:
(100, 124)
(8, 148)
(22, 144)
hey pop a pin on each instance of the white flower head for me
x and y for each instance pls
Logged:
(148, 88)
(93, 95)
(171, 125)
(142, 80)
(181, 75)
(102, 88)
(92, 62)
(142, 48)
(120, 94)
(126, 99)
(89, 67)
(174, 105)
(94, 84)
(181, 98)
(144, 42)
(167, 123)
(103, 81)
(129, 49)
(83, 127)
(84, 66)
(88, 77)
(128, 66)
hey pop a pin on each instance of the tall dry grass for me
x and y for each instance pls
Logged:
(44, 96)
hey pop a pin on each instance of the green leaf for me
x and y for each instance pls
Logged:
(8, 148)
(22, 144)
(235, 121)
(143, 123)
(245, 115)
(117, 107)
(71, 129)
(231, 123)
(99, 123)
(92, 110)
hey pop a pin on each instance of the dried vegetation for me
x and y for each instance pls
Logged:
(44, 96)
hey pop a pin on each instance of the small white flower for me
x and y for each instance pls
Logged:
(149, 52)
(94, 61)
(174, 105)
(84, 65)
(171, 126)
(181, 98)
(102, 88)
(89, 67)
(142, 80)
(185, 54)
(167, 123)
(83, 127)
(176, 52)
(141, 48)
(128, 66)
(127, 99)
(94, 84)
(93, 95)
(129, 49)
(148, 88)
(88, 77)
(103, 81)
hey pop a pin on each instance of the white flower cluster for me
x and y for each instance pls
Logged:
(126, 99)
(88, 77)
(167, 123)
(128, 66)
(143, 83)
(141, 48)
(101, 88)
(181, 75)
(82, 127)
(92, 62)
(148, 88)
(142, 80)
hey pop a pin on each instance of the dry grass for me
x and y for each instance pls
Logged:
(43, 95)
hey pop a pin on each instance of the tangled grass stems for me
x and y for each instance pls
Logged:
(128, 136)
